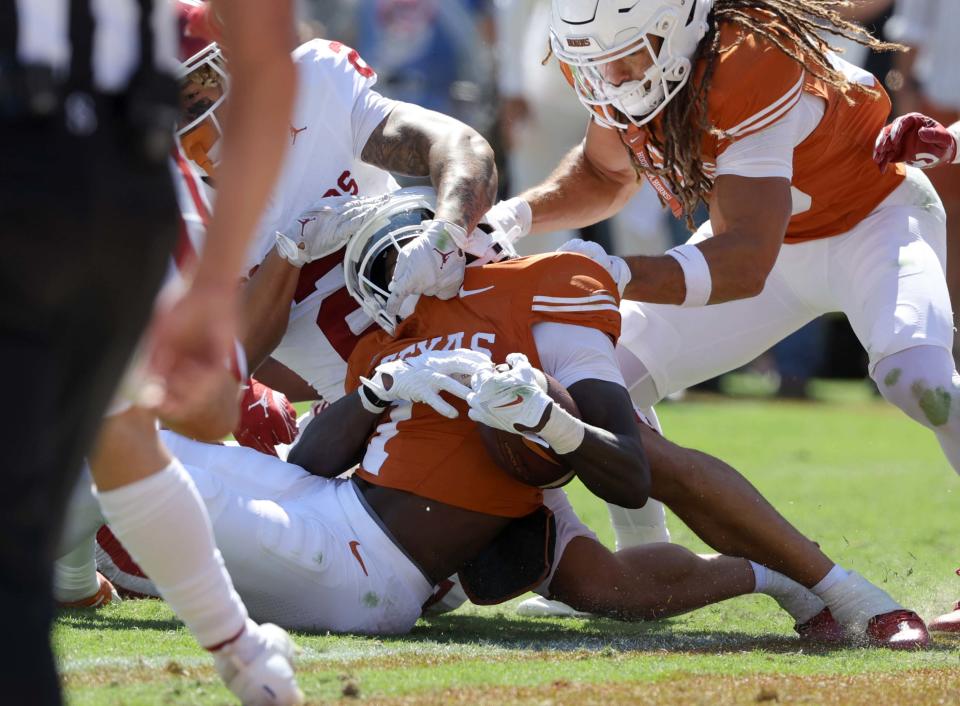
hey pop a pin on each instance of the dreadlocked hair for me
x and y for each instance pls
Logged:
(795, 32)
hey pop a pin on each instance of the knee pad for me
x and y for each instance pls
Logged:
(923, 382)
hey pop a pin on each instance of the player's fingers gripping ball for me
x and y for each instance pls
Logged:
(514, 398)
(432, 264)
(528, 421)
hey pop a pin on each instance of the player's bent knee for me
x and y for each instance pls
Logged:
(923, 382)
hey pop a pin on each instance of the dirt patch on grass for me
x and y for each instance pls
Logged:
(917, 688)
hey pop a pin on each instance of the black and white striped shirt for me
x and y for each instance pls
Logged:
(106, 36)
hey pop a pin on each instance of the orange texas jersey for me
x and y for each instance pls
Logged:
(835, 182)
(419, 451)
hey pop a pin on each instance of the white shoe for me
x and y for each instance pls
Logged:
(540, 607)
(258, 667)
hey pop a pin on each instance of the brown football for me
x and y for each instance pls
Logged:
(525, 460)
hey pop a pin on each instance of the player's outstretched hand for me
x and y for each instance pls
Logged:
(190, 343)
(616, 266)
(322, 230)
(422, 378)
(511, 397)
(266, 418)
(432, 264)
(511, 216)
(916, 139)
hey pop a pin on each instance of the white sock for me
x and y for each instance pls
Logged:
(852, 599)
(163, 523)
(797, 600)
(833, 577)
(75, 574)
(645, 525)
(83, 517)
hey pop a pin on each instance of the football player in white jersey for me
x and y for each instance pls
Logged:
(344, 140)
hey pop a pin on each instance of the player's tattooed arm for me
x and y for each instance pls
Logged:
(415, 141)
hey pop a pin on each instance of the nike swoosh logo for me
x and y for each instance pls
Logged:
(512, 403)
(471, 292)
(353, 548)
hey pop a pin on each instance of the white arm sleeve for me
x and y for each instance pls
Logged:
(572, 353)
(769, 152)
(369, 110)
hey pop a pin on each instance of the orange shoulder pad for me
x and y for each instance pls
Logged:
(754, 84)
(573, 289)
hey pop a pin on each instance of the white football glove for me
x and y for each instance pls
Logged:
(432, 265)
(512, 216)
(422, 378)
(513, 398)
(491, 247)
(616, 266)
(326, 228)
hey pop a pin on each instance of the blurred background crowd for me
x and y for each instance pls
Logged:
(486, 63)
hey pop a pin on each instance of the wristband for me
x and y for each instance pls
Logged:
(237, 363)
(288, 249)
(371, 402)
(458, 233)
(563, 432)
(696, 274)
(954, 131)
(522, 215)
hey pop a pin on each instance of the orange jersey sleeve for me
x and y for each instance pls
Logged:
(835, 183)
(754, 84)
(573, 289)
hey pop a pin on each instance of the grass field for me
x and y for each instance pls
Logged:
(869, 485)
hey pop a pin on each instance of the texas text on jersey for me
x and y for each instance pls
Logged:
(497, 307)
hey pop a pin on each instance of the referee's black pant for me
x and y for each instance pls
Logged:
(86, 229)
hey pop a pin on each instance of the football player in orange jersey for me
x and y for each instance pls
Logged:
(740, 104)
(429, 482)
(312, 553)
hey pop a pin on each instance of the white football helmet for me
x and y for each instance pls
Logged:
(586, 35)
(372, 251)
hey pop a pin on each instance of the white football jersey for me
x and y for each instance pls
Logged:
(334, 114)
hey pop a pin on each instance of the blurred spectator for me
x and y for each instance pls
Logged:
(931, 85)
(540, 115)
(435, 53)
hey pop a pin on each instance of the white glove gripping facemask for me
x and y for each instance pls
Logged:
(324, 229)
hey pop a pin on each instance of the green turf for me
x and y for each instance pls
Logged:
(866, 483)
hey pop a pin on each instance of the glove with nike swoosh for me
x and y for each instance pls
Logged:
(616, 266)
(422, 378)
(513, 397)
(326, 228)
(432, 264)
